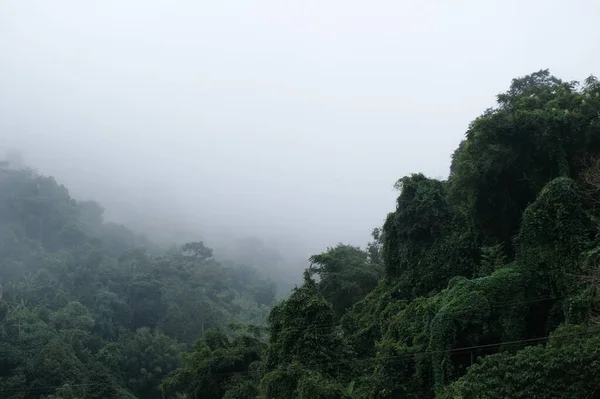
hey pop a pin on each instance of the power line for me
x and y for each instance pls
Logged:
(423, 353)
(332, 325)
(224, 376)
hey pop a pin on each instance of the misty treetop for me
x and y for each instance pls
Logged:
(87, 304)
(483, 285)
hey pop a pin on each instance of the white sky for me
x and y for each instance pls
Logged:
(268, 117)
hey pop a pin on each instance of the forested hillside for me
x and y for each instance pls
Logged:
(483, 285)
(92, 310)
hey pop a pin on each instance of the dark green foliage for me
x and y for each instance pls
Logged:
(476, 270)
(364, 323)
(92, 310)
(345, 276)
(146, 358)
(315, 385)
(567, 367)
(555, 234)
(302, 329)
(541, 130)
(218, 364)
(505, 178)
(304, 340)
(421, 217)
(425, 243)
(455, 297)
(374, 247)
(492, 258)
(468, 313)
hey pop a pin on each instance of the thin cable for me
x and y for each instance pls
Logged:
(330, 325)
(226, 375)
(410, 355)
(223, 376)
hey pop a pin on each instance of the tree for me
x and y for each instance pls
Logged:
(542, 129)
(425, 243)
(90, 309)
(566, 368)
(345, 275)
(303, 338)
(218, 365)
(197, 251)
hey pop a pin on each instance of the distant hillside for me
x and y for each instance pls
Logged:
(92, 309)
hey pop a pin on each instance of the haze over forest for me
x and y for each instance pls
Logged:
(281, 120)
(299, 200)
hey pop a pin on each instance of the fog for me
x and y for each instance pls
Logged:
(287, 120)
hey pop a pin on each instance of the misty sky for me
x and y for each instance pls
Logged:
(268, 117)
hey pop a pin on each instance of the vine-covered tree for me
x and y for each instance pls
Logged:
(484, 285)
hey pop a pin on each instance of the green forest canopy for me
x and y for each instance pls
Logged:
(87, 304)
(483, 285)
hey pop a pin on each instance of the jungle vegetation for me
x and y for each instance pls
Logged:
(482, 285)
